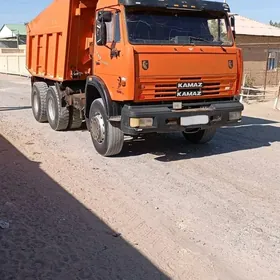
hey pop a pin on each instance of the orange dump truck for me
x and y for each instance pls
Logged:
(131, 67)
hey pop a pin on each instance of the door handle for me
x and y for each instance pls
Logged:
(97, 63)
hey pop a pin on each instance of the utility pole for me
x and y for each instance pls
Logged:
(18, 39)
(277, 99)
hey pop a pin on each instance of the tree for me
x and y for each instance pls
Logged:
(276, 24)
(214, 25)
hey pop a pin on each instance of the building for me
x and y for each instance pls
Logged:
(261, 50)
(12, 35)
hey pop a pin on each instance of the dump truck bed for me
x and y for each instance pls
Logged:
(59, 39)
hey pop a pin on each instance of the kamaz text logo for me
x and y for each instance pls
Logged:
(189, 85)
(188, 93)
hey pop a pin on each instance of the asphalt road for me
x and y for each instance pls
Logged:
(163, 209)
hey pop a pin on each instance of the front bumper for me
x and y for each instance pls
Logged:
(166, 119)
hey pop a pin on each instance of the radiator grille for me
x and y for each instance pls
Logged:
(167, 88)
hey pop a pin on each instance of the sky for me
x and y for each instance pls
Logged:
(22, 11)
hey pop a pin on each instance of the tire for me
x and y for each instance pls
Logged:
(58, 116)
(107, 139)
(75, 119)
(201, 137)
(38, 101)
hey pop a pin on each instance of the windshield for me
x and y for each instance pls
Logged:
(178, 28)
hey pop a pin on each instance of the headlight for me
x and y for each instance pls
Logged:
(141, 122)
(235, 116)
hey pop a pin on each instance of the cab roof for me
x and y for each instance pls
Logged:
(177, 4)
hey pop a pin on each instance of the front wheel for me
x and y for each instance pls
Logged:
(201, 137)
(107, 139)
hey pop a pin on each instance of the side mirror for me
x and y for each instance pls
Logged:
(232, 24)
(105, 16)
(101, 34)
(232, 21)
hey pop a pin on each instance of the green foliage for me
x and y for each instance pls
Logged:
(276, 24)
(214, 30)
(249, 81)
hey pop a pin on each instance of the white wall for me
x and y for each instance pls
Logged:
(6, 33)
(13, 61)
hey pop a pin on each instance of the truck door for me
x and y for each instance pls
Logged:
(111, 62)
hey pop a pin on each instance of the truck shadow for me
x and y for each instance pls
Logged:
(252, 133)
(45, 233)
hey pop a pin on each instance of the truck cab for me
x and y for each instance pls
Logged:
(155, 67)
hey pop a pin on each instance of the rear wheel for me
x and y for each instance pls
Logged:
(107, 139)
(38, 101)
(202, 136)
(58, 116)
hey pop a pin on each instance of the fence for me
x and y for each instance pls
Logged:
(260, 93)
(261, 70)
(262, 78)
(261, 64)
(13, 61)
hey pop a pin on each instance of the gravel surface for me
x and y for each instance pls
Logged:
(163, 209)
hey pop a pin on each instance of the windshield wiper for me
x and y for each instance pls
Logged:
(204, 40)
(199, 39)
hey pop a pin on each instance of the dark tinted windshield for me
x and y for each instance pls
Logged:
(173, 28)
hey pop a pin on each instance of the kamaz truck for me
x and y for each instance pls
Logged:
(133, 67)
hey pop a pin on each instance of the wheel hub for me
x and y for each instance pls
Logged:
(98, 128)
(51, 109)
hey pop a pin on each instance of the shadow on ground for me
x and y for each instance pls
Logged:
(52, 236)
(5, 109)
(252, 133)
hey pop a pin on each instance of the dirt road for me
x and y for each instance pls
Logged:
(163, 209)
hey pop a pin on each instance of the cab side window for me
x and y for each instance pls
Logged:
(113, 29)
(110, 35)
